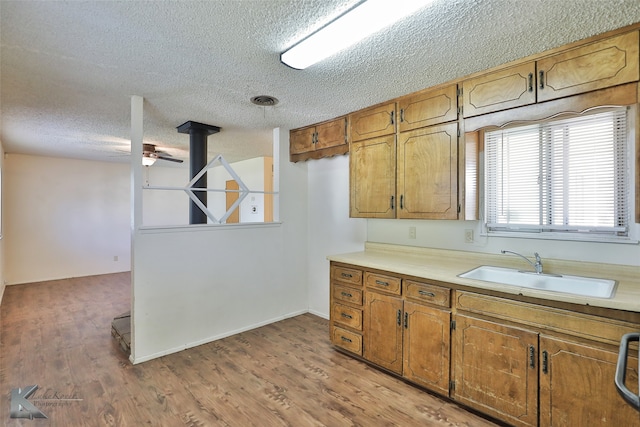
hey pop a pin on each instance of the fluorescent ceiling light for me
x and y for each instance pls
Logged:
(355, 25)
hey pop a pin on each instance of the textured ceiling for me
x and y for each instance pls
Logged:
(68, 68)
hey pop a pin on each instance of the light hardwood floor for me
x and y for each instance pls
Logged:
(57, 335)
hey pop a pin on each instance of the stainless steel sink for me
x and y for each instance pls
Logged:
(576, 285)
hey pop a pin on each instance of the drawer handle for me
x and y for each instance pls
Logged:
(530, 82)
(381, 283)
(346, 294)
(346, 339)
(427, 294)
(347, 275)
(348, 316)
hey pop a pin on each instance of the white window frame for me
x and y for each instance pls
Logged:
(633, 234)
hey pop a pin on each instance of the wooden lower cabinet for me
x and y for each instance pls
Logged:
(521, 363)
(495, 370)
(576, 385)
(383, 330)
(346, 308)
(427, 346)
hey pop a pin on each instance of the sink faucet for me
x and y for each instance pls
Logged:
(538, 264)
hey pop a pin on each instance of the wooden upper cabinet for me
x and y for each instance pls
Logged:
(427, 173)
(372, 178)
(373, 122)
(598, 65)
(428, 107)
(576, 386)
(499, 90)
(323, 139)
(331, 133)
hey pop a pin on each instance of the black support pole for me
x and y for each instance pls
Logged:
(198, 133)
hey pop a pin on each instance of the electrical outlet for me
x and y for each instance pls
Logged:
(412, 232)
(468, 236)
(115, 258)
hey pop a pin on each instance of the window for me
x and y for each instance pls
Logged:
(566, 177)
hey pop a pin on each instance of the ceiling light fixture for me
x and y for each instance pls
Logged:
(147, 160)
(348, 29)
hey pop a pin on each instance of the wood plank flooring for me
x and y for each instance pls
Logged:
(57, 335)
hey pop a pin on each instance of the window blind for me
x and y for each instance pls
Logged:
(566, 175)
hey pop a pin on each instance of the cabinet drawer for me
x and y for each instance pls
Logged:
(347, 294)
(348, 275)
(347, 340)
(348, 316)
(384, 283)
(432, 294)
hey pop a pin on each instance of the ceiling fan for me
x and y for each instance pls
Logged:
(150, 155)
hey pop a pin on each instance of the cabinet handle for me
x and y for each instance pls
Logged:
(348, 316)
(401, 115)
(399, 317)
(532, 357)
(530, 82)
(345, 339)
(347, 275)
(426, 294)
(391, 202)
(381, 283)
(393, 113)
(406, 320)
(346, 294)
(545, 362)
(541, 75)
(402, 201)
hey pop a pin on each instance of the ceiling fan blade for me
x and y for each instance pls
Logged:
(171, 159)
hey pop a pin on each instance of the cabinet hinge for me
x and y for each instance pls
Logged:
(458, 131)
(453, 325)
(460, 91)
(460, 108)
(452, 386)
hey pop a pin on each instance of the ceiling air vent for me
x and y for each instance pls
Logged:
(264, 100)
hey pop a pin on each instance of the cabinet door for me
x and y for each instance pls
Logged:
(331, 134)
(373, 122)
(428, 108)
(426, 346)
(577, 389)
(301, 140)
(372, 173)
(428, 173)
(500, 90)
(594, 66)
(495, 370)
(383, 331)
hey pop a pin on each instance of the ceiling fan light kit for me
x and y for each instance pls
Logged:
(150, 154)
(348, 29)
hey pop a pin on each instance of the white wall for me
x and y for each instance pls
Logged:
(2, 240)
(450, 235)
(64, 218)
(192, 285)
(330, 229)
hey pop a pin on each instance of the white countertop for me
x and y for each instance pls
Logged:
(445, 265)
